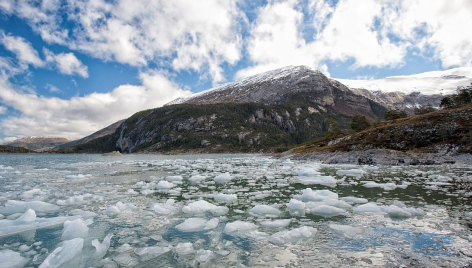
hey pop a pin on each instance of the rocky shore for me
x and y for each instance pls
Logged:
(381, 157)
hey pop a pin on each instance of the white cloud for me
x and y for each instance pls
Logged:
(435, 82)
(23, 50)
(66, 63)
(187, 34)
(8, 139)
(81, 116)
(3, 110)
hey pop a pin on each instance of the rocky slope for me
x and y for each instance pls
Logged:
(38, 144)
(14, 150)
(442, 132)
(103, 132)
(278, 108)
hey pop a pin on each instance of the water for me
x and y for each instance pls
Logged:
(423, 216)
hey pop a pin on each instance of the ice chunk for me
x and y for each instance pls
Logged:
(12, 259)
(223, 178)
(368, 208)
(196, 179)
(355, 200)
(293, 236)
(211, 224)
(394, 211)
(227, 198)
(76, 229)
(126, 260)
(64, 253)
(347, 231)
(202, 206)
(386, 186)
(192, 225)
(164, 208)
(327, 211)
(30, 194)
(287, 162)
(351, 173)
(163, 185)
(468, 215)
(13, 206)
(307, 170)
(28, 216)
(203, 255)
(112, 210)
(320, 180)
(296, 208)
(264, 210)
(276, 223)
(102, 248)
(80, 176)
(125, 206)
(184, 248)
(148, 253)
(174, 178)
(317, 195)
(239, 226)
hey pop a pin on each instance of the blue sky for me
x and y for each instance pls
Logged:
(69, 68)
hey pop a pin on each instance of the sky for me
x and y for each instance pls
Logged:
(69, 67)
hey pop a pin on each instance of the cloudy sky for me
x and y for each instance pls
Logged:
(71, 67)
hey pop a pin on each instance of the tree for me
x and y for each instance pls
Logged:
(333, 130)
(395, 114)
(425, 109)
(359, 122)
(462, 97)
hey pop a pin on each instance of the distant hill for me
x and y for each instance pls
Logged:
(447, 131)
(38, 144)
(103, 132)
(14, 150)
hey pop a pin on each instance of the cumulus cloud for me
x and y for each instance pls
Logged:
(435, 82)
(371, 34)
(3, 110)
(187, 34)
(81, 116)
(23, 50)
(66, 63)
(6, 140)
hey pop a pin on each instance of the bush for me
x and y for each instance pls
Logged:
(395, 114)
(425, 109)
(462, 97)
(359, 122)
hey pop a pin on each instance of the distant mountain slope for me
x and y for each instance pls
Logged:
(278, 108)
(445, 131)
(14, 150)
(38, 144)
(102, 132)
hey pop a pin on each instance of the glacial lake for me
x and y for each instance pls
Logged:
(230, 211)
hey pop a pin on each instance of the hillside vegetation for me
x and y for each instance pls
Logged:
(445, 131)
(4, 149)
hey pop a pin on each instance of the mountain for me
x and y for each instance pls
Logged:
(446, 131)
(400, 100)
(103, 132)
(278, 108)
(4, 149)
(38, 144)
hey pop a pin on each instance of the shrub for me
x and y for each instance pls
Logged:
(395, 114)
(359, 122)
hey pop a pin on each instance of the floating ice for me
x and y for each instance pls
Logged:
(77, 228)
(307, 170)
(355, 200)
(287, 162)
(64, 253)
(163, 185)
(28, 222)
(32, 193)
(112, 210)
(184, 248)
(13, 206)
(211, 224)
(223, 178)
(320, 180)
(293, 236)
(394, 211)
(264, 210)
(468, 215)
(164, 208)
(317, 195)
(368, 208)
(239, 226)
(327, 211)
(102, 248)
(386, 186)
(347, 231)
(276, 223)
(351, 173)
(203, 255)
(196, 179)
(296, 208)
(174, 178)
(12, 259)
(226, 198)
(192, 225)
(202, 206)
(79, 176)
(148, 253)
